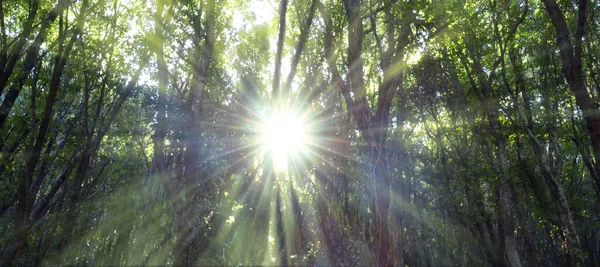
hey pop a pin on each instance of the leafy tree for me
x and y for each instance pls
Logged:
(304, 132)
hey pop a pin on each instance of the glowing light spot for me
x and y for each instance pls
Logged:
(414, 58)
(284, 136)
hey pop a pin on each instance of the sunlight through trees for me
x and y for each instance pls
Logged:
(299, 133)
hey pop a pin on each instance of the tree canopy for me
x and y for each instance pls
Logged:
(300, 132)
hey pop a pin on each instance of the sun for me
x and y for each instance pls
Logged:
(284, 136)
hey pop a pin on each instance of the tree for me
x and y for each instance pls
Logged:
(304, 132)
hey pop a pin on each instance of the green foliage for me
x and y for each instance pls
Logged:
(481, 133)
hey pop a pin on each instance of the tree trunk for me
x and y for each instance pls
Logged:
(23, 207)
(85, 158)
(563, 212)
(280, 224)
(374, 131)
(7, 67)
(192, 176)
(161, 124)
(506, 224)
(280, 40)
(572, 68)
(27, 66)
(336, 243)
(508, 251)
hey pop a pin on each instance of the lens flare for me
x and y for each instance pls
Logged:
(284, 136)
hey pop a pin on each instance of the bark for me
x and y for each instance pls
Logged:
(193, 176)
(161, 122)
(572, 68)
(7, 67)
(260, 198)
(373, 127)
(300, 45)
(374, 130)
(563, 211)
(86, 157)
(506, 223)
(507, 250)
(3, 44)
(280, 40)
(280, 224)
(43, 204)
(299, 238)
(31, 58)
(50, 154)
(23, 207)
(334, 237)
(482, 230)
(10, 152)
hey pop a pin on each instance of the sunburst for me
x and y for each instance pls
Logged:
(284, 135)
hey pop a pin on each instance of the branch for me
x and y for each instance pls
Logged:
(379, 9)
(581, 19)
(300, 46)
(281, 39)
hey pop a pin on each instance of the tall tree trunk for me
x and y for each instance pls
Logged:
(508, 251)
(299, 241)
(161, 123)
(374, 130)
(23, 207)
(192, 176)
(260, 201)
(7, 66)
(336, 243)
(506, 225)
(304, 31)
(280, 40)
(572, 68)
(563, 211)
(28, 64)
(280, 224)
(85, 158)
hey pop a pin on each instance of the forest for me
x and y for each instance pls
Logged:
(300, 133)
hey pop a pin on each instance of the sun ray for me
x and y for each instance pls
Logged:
(285, 137)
